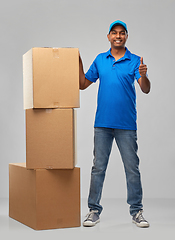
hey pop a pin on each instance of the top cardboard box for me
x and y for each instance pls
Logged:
(51, 78)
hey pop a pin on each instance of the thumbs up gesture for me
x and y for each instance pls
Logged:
(142, 68)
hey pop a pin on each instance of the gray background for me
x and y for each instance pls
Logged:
(84, 24)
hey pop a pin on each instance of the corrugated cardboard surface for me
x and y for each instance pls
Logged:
(22, 194)
(44, 199)
(51, 78)
(28, 80)
(50, 138)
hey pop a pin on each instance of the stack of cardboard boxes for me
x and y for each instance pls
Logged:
(44, 192)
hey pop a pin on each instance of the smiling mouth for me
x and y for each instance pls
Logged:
(118, 41)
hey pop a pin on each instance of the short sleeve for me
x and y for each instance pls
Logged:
(137, 74)
(92, 74)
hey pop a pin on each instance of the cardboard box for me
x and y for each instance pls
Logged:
(51, 78)
(44, 199)
(51, 138)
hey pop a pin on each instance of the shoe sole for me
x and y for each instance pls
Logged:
(142, 225)
(90, 224)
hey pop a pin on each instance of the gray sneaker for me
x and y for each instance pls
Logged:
(91, 219)
(139, 220)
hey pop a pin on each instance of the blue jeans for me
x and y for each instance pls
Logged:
(126, 141)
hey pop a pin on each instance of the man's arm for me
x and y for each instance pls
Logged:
(144, 82)
(84, 83)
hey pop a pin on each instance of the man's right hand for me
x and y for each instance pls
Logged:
(83, 82)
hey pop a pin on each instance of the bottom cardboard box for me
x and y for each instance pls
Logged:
(44, 199)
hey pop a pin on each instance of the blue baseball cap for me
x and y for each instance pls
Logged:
(118, 22)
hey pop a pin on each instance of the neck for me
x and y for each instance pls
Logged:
(118, 52)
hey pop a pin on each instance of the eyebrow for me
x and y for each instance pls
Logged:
(118, 31)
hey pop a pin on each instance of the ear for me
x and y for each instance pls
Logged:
(126, 36)
(108, 36)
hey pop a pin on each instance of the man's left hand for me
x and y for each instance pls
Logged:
(142, 68)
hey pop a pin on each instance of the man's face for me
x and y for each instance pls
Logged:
(117, 37)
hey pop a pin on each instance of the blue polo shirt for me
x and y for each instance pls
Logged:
(116, 101)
